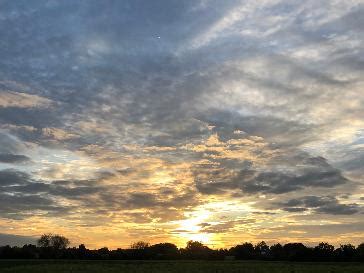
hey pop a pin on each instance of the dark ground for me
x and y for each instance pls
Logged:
(58, 266)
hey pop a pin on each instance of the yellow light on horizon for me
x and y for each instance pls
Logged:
(191, 227)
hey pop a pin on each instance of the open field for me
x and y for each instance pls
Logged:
(44, 266)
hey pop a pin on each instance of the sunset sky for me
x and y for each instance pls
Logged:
(169, 121)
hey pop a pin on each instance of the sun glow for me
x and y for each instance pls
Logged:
(204, 238)
(190, 229)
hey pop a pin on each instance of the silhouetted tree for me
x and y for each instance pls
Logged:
(323, 252)
(262, 250)
(118, 254)
(52, 245)
(196, 250)
(29, 252)
(56, 241)
(139, 250)
(55, 247)
(139, 245)
(59, 242)
(81, 251)
(345, 252)
(164, 251)
(103, 253)
(277, 252)
(243, 252)
(360, 252)
(296, 252)
(7, 252)
(45, 240)
(220, 254)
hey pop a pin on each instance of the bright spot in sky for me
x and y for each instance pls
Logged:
(190, 229)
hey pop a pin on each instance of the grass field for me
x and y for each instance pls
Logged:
(24, 266)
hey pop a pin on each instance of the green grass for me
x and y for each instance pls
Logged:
(44, 266)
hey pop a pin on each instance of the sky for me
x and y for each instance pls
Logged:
(169, 120)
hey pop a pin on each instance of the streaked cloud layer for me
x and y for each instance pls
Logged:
(217, 121)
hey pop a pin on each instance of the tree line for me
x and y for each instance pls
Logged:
(50, 246)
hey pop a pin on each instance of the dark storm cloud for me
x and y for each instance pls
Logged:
(319, 204)
(13, 158)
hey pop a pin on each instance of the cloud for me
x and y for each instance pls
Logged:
(319, 204)
(251, 182)
(16, 240)
(285, 171)
(22, 100)
(10, 145)
(226, 226)
(13, 177)
(337, 232)
(23, 196)
(13, 158)
(282, 183)
(20, 206)
(58, 134)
